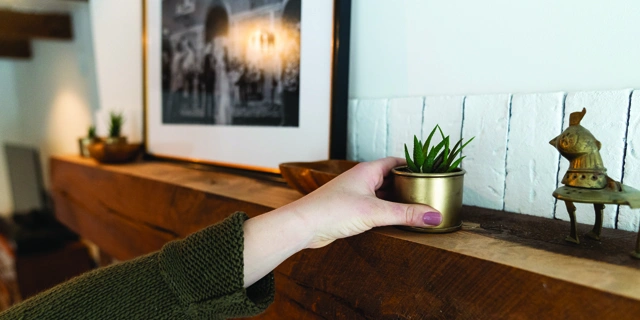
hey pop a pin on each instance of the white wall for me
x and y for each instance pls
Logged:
(403, 52)
(50, 101)
(56, 91)
(9, 128)
(117, 40)
(430, 47)
(426, 49)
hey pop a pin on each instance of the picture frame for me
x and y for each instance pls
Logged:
(220, 81)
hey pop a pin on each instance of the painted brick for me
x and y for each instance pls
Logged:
(404, 117)
(606, 118)
(371, 135)
(352, 130)
(445, 111)
(486, 117)
(628, 219)
(532, 164)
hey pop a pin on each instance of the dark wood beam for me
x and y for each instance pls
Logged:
(15, 48)
(500, 265)
(22, 25)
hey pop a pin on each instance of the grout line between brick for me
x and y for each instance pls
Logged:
(555, 201)
(464, 104)
(624, 152)
(506, 152)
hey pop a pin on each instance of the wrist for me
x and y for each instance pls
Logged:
(271, 238)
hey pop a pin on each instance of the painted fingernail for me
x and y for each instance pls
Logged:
(432, 218)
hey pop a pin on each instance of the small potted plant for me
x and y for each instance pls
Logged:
(114, 148)
(432, 176)
(116, 119)
(85, 141)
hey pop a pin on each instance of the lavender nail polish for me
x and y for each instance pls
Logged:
(432, 218)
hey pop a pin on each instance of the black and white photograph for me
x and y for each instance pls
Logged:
(247, 84)
(231, 62)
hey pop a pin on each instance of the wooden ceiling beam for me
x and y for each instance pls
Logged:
(15, 48)
(21, 25)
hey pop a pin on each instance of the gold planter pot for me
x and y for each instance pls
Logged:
(442, 191)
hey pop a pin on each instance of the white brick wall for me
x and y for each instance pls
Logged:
(532, 163)
(628, 218)
(510, 164)
(371, 129)
(486, 118)
(445, 111)
(405, 121)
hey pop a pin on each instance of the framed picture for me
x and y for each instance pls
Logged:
(246, 83)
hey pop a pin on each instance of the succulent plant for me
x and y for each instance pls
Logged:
(115, 124)
(91, 134)
(434, 159)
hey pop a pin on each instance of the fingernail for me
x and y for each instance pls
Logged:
(432, 218)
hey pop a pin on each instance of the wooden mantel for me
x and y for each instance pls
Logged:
(500, 265)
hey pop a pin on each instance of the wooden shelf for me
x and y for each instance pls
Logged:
(500, 265)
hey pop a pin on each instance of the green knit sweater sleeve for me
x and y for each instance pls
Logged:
(199, 277)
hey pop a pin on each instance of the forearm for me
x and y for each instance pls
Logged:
(271, 238)
(132, 289)
(199, 277)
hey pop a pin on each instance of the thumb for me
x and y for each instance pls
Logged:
(415, 215)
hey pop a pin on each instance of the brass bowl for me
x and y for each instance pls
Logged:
(114, 152)
(308, 176)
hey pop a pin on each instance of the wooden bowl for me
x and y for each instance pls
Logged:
(308, 176)
(114, 152)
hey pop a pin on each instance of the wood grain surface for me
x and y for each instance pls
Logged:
(501, 265)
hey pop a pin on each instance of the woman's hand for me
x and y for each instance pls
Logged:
(348, 205)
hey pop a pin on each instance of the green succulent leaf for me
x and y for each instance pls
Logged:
(431, 158)
(456, 151)
(443, 166)
(418, 156)
(437, 158)
(455, 164)
(410, 164)
(91, 132)
(441, 133)
(437, 164)
(427, 143)
(115, 123)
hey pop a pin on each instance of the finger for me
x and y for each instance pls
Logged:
(383, 168)
(416, 215)
(388, 163)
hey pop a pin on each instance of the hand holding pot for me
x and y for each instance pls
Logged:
(348, 205)
(345, 206)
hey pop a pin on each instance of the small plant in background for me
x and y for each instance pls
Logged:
(434, 159)
(91, 134)
(115, 124)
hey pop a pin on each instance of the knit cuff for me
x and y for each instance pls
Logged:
(205, 271)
